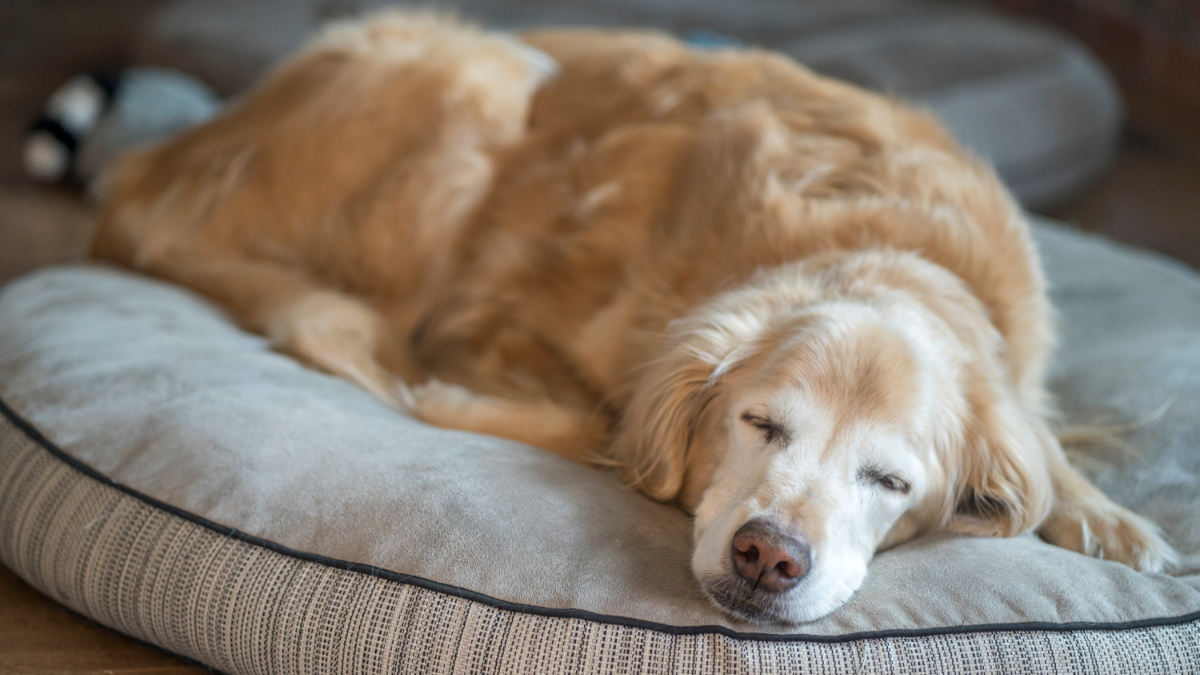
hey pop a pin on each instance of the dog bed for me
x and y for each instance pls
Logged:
(166, 474)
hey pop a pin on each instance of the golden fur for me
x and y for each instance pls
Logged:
(606, 251)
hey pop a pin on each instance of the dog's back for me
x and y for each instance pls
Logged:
(654, 175)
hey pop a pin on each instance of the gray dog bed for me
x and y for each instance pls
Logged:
(167, 475)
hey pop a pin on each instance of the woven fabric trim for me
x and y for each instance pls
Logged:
(216, 598)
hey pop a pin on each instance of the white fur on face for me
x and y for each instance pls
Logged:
(831, 470)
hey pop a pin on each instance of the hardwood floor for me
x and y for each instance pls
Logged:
(41, 637)
(39, 227)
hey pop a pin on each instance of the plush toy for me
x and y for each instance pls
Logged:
(93, 117)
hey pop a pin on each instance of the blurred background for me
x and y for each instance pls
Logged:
(1089, 110)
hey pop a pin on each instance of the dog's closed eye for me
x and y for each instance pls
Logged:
(891, 482)
(772, 430)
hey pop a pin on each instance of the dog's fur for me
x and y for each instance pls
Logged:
(761, 293)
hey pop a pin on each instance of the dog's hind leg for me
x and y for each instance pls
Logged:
(340, 335)
(323, 328)
(331, 189)
(577, 434)
(1083, 519)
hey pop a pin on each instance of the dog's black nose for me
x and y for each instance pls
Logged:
(766, 557)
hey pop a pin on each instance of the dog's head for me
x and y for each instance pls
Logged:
(827, 410)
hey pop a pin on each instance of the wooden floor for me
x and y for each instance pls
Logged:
(40, 637)
(1150, 198)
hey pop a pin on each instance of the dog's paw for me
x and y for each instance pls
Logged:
(438, 402)
(573, 433)
(1101, 529)
(452, 406)
(337, 334)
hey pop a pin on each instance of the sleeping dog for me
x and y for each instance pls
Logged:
(795, 308)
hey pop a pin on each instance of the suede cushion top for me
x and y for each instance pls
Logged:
(154, 388)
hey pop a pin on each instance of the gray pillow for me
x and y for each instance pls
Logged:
(168, 475)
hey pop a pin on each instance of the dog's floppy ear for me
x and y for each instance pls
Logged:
(665, 439)
(658, 434)
(1004, 487)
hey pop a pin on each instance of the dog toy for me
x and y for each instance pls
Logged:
(94, 117)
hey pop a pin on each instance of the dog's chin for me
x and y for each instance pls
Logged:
(740, 600)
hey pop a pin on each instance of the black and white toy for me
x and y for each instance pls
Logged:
(93, 117)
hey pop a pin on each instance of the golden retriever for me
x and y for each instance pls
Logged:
(793, 307)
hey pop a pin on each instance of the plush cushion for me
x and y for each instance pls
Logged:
(1028, 98)
(168, 475)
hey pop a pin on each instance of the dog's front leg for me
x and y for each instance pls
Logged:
(1083, 519)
